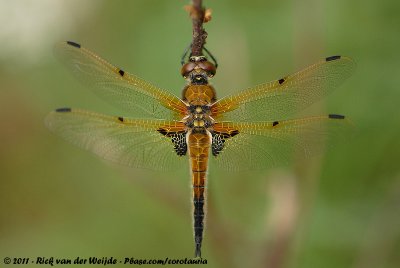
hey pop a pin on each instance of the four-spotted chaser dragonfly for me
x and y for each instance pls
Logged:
(248, 129)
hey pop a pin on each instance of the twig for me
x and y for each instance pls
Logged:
(197, 13)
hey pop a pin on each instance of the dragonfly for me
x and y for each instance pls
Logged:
(249, 129)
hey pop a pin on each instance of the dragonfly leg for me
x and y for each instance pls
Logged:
(185, 53)
(211, 56)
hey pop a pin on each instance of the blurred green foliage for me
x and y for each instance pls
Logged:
(337, 210)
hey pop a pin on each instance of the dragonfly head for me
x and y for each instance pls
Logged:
(198, 70)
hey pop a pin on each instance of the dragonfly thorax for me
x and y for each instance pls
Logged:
(199, 118)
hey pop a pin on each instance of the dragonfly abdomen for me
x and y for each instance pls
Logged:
(199, 147)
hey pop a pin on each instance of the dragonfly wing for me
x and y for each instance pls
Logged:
(264, 144)
(116, 86)
(131, 142)
(279, 98)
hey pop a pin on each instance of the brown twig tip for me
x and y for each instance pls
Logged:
(199, 15)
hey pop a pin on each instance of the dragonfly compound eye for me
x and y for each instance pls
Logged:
(187, 68)
(208, 67)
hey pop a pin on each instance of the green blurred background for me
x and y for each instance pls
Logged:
(340, 209)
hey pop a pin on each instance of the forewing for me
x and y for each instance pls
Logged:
(264, 144)
(135, 143)
(280, 98)
(127, 91)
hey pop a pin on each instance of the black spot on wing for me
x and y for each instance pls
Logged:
(218, 140)
(73, 44)
(180, 145)
(336, 116)
(121, 72)
(275, 123)
(217, 144)
(331, 58)
(121, 119)
(281, 81)
(178, 139)
(163, 131)
(234, 133)
(63, 110)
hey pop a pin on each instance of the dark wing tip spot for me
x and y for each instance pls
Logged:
(121, 72)
(281, 81)
(331, 58)
(121, 119)
(336, 116)
(275, 123)
(71, 43)
(63, 110)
